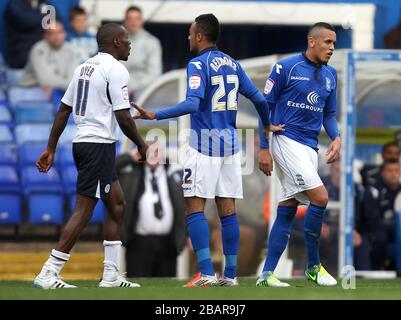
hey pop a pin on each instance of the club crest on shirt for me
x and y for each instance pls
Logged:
(125, 93)
(194, 82)
(269, 86)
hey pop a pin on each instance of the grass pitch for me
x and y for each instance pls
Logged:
(171, 289)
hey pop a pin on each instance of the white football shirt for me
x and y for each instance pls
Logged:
(99, 87)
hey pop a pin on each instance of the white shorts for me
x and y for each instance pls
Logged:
(210, 177)
(296, 168)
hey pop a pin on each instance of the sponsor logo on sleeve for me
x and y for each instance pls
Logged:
(194, 81)
(269, 86)
(125, 93)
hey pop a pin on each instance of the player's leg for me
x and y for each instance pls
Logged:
(230, 235)
(49, 278)
(315, 272)
(278, 240)
(112, 244)
(199, 181)
(280, 232)
(198, 230)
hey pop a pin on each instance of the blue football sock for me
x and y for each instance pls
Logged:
(198, 230)
(312, 228)
(279, 236)
(230, 236)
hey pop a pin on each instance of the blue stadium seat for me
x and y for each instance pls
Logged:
(9, 181)
(64, 155)
(33, 112)
(8, 154)
(69, 175)
(29, 153)
(10, 208)
(32, 133)
(98, 214)
(5, 134)
(20, 94)
(68, 135)
(46, 208)
(5, 116)
(14, 76)
(33, 181)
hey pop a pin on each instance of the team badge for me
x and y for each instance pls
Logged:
(194, 82)
(107, 188)
(269, 86)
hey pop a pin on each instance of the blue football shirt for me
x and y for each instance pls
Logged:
(301, 96)
(216, 79)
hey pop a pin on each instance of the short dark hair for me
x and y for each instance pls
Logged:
(106, 34)
(389, 162)
(76, 11)
(133, 8)
(320, 25)
(209, 25)
(389, 145)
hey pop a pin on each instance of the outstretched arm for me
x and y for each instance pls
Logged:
(190, 105)
(128, 127)
(47, 157)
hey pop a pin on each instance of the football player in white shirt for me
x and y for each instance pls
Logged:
(97, 96)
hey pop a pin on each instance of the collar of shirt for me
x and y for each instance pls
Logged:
(213, 48)
(310, 62)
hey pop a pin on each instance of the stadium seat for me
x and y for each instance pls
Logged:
(10, 208)
(8, 154)
(5, 134)
(33, 112)
(32, 133)
(10, 198)
(9, 181)
(46, 208)
(29, 153)
(68, 135)
(14, 76)
(33, 181)
(98, 214)
(5, 116)
(69, 175)
(19, 94)
(64, 155)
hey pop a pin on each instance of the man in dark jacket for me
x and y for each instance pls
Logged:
(154, 231)
(377, 217)
(23, 22)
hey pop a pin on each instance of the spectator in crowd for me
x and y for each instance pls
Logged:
(51, 62)
(82, 42)
(376, 223)
(145, 61)
(154, 231)
(392, 39)
(251, 217)
(23, 24)
(371, 174)
(63, 8)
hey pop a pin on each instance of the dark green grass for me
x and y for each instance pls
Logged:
(171, 289)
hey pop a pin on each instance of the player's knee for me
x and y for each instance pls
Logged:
(118, 209)
(321, 199)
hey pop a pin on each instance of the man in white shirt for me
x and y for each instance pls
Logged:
(97, 96)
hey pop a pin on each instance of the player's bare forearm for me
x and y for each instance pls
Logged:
(58, 126)
(128, 127)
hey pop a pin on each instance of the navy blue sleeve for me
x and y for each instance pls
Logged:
(190, 105)
(249, 90)
(196, 79)
(329, 116)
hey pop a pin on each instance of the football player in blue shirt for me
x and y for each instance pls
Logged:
(301, 93)
(212, 167)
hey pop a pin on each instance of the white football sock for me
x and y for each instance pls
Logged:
(111, 259)
(55, 262)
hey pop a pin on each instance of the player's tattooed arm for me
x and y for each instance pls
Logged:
(128, 127)
(46, 159)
